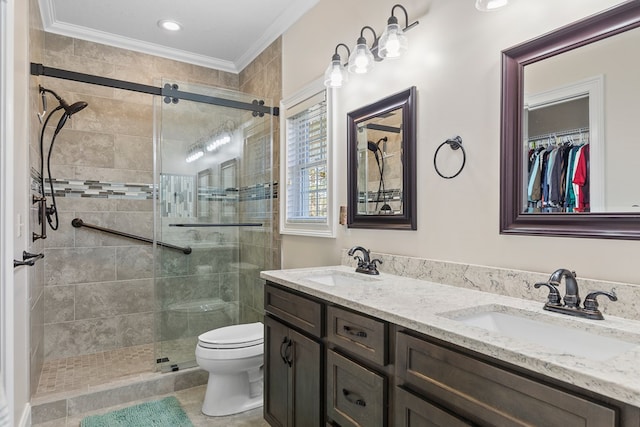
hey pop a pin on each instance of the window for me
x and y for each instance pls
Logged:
(305, 171)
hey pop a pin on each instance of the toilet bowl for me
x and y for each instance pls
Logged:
(233, 356)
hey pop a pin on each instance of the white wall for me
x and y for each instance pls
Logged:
(14, 203)
(454, 61)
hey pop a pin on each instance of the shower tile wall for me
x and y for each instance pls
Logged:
(261, 246)
(98, 292)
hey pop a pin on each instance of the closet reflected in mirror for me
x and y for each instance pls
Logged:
(570, 160)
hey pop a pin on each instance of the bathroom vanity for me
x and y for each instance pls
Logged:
(343, 349)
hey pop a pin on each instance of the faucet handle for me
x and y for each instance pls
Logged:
(590, 302)
(554, 295)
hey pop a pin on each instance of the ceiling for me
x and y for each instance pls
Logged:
(221, 34)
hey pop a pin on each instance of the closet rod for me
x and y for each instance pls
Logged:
(561, 133)
(170, 92)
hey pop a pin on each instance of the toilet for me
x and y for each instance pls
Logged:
(233, 356)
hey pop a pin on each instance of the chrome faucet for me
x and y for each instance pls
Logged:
(571, 299)
(366, 265)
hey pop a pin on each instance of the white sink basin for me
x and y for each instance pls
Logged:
(338, 278)
(549, 333)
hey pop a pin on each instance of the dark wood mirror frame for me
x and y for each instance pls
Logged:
(406, 100)
(512, 220)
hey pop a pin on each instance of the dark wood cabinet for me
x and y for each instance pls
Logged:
(356, 396)
(357, 372)
(327, 365)
(415, 411)
(293, 371)
(488, 395)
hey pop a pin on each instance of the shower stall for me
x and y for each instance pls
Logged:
(214, 180)
(165, 206)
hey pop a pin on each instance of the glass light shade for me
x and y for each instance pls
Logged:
(489, 5)
(393, 42)
(361, 60)
(335, 75)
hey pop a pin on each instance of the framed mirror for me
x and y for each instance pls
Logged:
(569, 155)
(381, 174)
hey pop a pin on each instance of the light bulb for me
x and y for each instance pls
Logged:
(393, 42)
(335, 75)
(361, 60)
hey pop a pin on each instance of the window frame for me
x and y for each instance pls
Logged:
(307, 227)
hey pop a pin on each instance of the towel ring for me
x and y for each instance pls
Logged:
(454, 143)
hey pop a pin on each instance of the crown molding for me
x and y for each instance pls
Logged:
(138, 46)
(277, 28)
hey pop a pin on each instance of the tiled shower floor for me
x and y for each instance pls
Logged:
(81, 372)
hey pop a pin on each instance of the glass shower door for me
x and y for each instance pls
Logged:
(202, 164)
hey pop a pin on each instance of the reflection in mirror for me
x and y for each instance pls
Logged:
(569, 161)
(563, 144)
(218, 191)
(380, 165)
(381, 175)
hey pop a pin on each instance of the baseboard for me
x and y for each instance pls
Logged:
(25, 419)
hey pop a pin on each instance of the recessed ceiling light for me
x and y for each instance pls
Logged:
(169, 25)
(489, 5)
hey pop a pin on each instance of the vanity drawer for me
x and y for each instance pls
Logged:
(358, 334)
(412, 411)
(356, 396)
(295, 309)
(489, 395)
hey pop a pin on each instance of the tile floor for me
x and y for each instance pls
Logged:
(81, 372)
(191, 401)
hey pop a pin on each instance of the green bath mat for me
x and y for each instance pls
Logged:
(161, 413)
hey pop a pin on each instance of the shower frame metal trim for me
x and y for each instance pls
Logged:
(170, 92)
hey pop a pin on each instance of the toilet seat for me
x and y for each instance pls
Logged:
(233, 337)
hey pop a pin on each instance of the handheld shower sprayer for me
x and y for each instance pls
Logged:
(69, 110)
(375, 148)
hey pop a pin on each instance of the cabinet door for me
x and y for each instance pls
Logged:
(276, 383)
(412, 411)
(305, 392)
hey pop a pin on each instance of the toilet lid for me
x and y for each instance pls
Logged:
(235, 336)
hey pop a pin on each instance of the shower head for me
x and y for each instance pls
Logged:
(75, 107)
(68, 109)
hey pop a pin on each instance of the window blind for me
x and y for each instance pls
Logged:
(306, 161)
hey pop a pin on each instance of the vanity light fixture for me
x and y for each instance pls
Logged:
(219, 140)
(336, 74)
(361, 59)
(194, 153)
(169, 25)
(392, 44)
(490, 5)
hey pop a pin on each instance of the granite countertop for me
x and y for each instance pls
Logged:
(432, 308)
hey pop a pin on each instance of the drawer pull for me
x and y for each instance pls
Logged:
(350, 397)
(355, 332)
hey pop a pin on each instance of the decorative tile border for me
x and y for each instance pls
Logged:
(143, 191)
